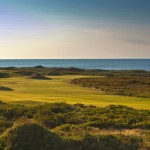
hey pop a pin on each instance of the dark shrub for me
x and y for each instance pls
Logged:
(4, 75)
(39, 77)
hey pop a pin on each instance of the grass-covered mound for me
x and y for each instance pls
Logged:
(62, 126)
(39, 77)
(3, 88)
(66, 71)
(118, 85)
(30, 136)
(24, 73)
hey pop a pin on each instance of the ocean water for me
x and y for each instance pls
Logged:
(106, 64)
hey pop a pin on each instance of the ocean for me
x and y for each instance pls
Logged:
(105, 64)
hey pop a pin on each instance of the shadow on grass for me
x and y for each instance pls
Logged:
(3, 88)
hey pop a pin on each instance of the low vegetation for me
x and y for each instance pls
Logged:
(28, 71)
(118, 85)
(63, 126)
(4, 75)
(39, 77)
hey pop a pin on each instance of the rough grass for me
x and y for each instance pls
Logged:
(68, 127)
(33, 136)
(31, 92)
(136, 86)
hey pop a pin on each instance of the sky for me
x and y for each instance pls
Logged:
(72, 29)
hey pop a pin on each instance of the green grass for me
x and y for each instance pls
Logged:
(31, 91)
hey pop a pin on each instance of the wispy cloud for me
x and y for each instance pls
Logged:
(136, 41)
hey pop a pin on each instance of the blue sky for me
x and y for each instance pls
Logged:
(75, 28)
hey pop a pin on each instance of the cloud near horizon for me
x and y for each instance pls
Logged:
(137, 41)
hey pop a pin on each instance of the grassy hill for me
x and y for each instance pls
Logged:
(63, 126)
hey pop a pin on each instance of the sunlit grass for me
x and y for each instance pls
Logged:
(31, 91)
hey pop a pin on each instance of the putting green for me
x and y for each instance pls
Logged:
(31, 91)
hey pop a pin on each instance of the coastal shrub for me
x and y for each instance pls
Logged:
(4, 75)
(32, 136)
(118, 85)
(66, 71)
(74, 126)
(25, 73)
(39, 77)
